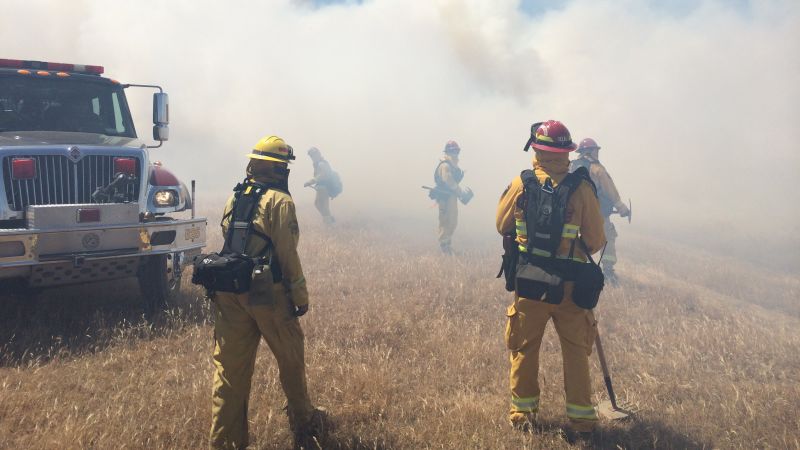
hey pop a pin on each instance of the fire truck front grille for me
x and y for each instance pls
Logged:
(61, 181)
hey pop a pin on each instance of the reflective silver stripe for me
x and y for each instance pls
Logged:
(581, 412)
(574, 258)
(525, 404)
(542, 235)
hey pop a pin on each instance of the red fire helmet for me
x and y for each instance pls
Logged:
(552, 136)
(587, 145)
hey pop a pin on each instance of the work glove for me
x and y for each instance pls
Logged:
(308, 183)
(623, 210)
(300, 310)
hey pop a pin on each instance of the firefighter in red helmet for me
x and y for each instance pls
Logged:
(553, 217)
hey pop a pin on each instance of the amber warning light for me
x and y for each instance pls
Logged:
(88, 215)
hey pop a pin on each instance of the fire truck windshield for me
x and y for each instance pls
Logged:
(33, 103)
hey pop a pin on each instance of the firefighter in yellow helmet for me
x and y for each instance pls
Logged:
(610, 203)
(326, 182)
(270, 310)
(531, 212)
(447, 193)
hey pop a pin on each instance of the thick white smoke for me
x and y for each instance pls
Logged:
(696, 110)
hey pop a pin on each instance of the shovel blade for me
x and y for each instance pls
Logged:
(607, 411)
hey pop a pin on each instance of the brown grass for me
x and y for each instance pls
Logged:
(405, 348)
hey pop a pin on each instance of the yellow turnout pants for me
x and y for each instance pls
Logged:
(448, 219)
(576, 328)
(239, 326)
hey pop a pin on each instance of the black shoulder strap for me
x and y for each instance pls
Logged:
(528, 176)
(528, 180)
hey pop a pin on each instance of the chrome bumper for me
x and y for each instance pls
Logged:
(21, 249)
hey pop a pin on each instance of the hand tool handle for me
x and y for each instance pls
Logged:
(606, 373)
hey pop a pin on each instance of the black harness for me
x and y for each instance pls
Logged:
(545, 209)
(458, 174)
(231, 270)
(540, 274)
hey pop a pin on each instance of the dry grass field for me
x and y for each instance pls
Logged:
(404, 347)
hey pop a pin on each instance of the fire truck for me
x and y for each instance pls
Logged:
(81, 200)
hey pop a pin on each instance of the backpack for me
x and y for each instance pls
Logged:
(231, 269)
(540, 275)
(334, 185)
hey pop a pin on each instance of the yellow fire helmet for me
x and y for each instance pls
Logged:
(272, 148)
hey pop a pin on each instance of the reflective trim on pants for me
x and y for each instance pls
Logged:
(581, 412)
(524, 404)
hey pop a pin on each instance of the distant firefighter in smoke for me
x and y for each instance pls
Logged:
(610, 202)
(326, 182)
(447, 193)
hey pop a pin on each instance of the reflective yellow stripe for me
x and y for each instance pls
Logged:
(570, 231)
(522, 248)
(299, 282)
(540, 252)
(525, 404)
(574, 258)
(541, 137)
(581, 412)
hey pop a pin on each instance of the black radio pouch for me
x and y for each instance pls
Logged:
(224, 273)
(589, 281)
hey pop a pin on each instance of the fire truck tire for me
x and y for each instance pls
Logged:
(157, 282)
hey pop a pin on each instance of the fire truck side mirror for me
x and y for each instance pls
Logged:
(160, 116)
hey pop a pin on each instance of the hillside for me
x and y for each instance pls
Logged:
(404, 347)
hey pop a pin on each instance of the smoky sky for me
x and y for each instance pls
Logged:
(696, 109)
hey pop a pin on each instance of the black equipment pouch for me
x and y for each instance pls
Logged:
(508, 268)
(589, 281)
(538, 282)
(231, 270)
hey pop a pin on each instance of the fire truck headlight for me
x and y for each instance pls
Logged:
(165, 198)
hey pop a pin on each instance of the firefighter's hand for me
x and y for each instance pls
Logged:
(300, 310)
(308, 183)
(623, 210)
